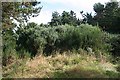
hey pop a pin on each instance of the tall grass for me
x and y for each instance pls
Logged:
(66, 65)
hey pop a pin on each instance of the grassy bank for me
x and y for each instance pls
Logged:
(69, 64)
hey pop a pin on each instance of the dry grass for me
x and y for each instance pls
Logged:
(62, 65)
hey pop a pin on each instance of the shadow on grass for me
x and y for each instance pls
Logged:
(83, 73)
(79, 73)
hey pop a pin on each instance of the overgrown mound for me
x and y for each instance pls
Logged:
(66, 65)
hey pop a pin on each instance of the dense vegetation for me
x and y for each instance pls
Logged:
(63, 45)
(63, 37)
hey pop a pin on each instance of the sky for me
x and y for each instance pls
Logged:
(50, 6)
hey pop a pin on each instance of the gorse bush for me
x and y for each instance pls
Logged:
(30, 39)
(62, 37)
(82, 36)
(115, 42)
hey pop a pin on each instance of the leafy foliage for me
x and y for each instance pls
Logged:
(8, 47)
(64, 18)
(20, 11)
(82, 37)
(56, 20)
(62, 37)
(115, 42)
(108, 16)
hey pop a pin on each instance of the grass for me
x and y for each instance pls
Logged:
(65, 65)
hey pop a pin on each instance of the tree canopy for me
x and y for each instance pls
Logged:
(65, 18)
(19, 11)
(108, 16)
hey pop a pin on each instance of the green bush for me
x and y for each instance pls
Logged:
(115, 42)
(62, 37)
(83, 36)
(9, 45)
(30, 39)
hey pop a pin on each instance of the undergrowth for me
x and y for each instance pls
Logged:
(66, 65)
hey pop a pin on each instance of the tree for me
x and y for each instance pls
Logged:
(111, 15)
(98, 8)
(69, 18)
(19, 11)
(108, 16)
(88, 18)
(56, 19)
(73, 19)
(65, 18)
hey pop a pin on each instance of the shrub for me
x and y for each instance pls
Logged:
(35, 38)
(30, 39)
(62, 37)
(9, 51)
(115, 42)
(82, 36)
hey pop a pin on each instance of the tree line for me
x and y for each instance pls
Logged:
(107, 16)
